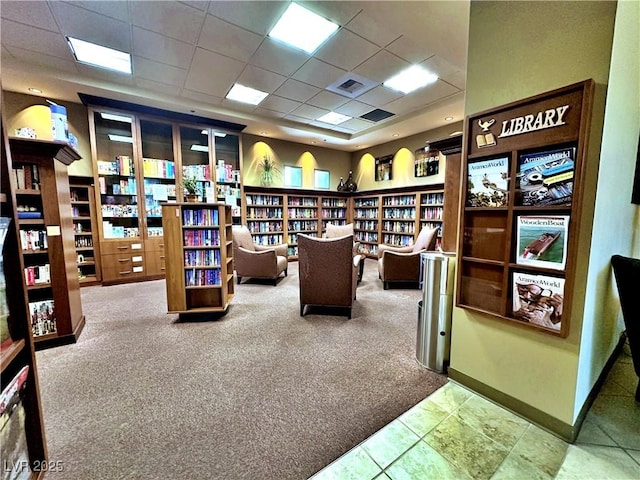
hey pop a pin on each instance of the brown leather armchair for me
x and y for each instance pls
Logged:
(257, 261)
(328, 272)
(402, 264)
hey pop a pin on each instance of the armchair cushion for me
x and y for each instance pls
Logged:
(339, 230)
(426, 239)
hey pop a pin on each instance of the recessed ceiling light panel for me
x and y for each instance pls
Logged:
(411, 79)
(120, 138)
(199, 148)
(116, 118)
(99, 56)
(334, 118)
(302, 29)
(243, 94)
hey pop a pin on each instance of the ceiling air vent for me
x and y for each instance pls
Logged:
(377, 115)
(351, 85)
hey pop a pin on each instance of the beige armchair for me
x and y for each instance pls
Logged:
(328, 272)
(257, 261)
(402, 264)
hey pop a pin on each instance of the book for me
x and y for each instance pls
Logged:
(488, 183)
(538, 299)
(542, 240)
(546, 178)
(43, 317)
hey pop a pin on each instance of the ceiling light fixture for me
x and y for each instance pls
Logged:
(115, 118)
(99, 56)
(120, 138)
(199, 148)
(411, 79)
(448, 119)
(303, 29)
(243, 94)
(334, 118)
(35, 90)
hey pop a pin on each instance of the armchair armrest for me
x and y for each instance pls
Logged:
(280, 249)
(389, 248)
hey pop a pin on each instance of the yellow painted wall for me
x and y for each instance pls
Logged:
(30, 111)
(519, 49)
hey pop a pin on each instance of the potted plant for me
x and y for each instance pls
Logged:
(268, 171)
(191, 189)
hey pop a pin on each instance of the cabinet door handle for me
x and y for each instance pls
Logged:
(123, 260)
(124, 273)
(123, 248)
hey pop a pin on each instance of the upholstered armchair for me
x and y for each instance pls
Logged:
(333, 231)
(328, 272)
(257, 261)
(402, 264)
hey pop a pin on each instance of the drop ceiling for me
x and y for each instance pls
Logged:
(187, 55)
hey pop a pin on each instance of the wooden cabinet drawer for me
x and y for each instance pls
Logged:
(155, 263)
(122, 266)
(122, 247)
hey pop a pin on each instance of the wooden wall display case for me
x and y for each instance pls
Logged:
(47, 239)
(199, 257)
(523, 186)
(85, 230)
(17, 350)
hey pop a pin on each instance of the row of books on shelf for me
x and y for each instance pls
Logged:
(334, 213)
(264, 227)
(33, 240)
(293, 238)
(37, 274)
(155, 231)
(201, 238)
(366, 214)
(116, 210)
(43, 317)
(159, 168)
(303, 225)
(366, 225)
(432, 198)
(431, 213)
(270, 200)
(367, 203)
(203, 277)
(226, 173)
(334, 221)
(121, 165)
(334, 202)
(120, 187)
(397, 239)
(399, 227)
(254, 212)
(27, 177)
(83, 242)
(543, 178)
(295, 212)
(204, 217)
(200, 172)
(366, 237)
(202, 258)
(368, 248)
(403, 200)
(399, 213)
(302, 202)
(117, 231)
(265, 240)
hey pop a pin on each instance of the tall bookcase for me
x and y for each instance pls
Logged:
(47, 239)
(265, 218)
(200, 257)
(366, 223)
(524, 180)
(85, 231)
(398, 219)
(334, 210)
(18, 350)
(302, 217)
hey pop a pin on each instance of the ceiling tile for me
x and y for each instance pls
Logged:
(338, 12)
(103, 74)
(201, 97)
(346, 50)
(328, 100)
(310, 112)
(156, 87)
(265, 112)
(406, 48)
(92, 27)
(295, 118)
(173, 19)
(318, 73)
(260, 18)
(446, 71)
(239, 106)
(199, 4)
(356, 124)
(201, 76)
(159, 72)
(421, 98)
(367, 27)
(36, 14)
(279, 104)
(260, 79)
(114, 9)
(294, 90)
(354, 108)
(42, 59)
(379, 96)
(162, 49)
(35, 39)
(276, 57)
(382, 66)
(223, 37)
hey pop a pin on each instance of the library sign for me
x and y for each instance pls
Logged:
(533, 120)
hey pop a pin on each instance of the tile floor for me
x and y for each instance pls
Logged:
(456, 434)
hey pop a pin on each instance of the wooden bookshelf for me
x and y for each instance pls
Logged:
(87, 244)
(199, 259)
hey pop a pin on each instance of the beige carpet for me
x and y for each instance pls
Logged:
(261, 393)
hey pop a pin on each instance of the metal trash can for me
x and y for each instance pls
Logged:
(434, 310)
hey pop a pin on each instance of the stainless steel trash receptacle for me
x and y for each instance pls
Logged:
(434, 310)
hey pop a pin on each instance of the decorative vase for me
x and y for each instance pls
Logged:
(191, 197)
(350, 185)
(341, 185)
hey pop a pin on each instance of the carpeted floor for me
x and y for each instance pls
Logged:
(260, 393)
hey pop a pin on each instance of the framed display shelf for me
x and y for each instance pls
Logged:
(523, 183)
(199, 261)
(85, 231)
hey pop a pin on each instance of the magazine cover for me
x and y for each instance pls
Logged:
(546, 178)
(488, 183)
(542, 241)
(538, 299)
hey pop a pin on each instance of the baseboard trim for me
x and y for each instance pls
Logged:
(565, 431)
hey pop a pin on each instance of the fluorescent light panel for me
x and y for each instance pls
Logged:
(215, 134)
(334, 118)
(99, 56)
(199, 148)
(120, 138)
(303, 29)
(115, 118)
(243, 94)
(411, 79)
